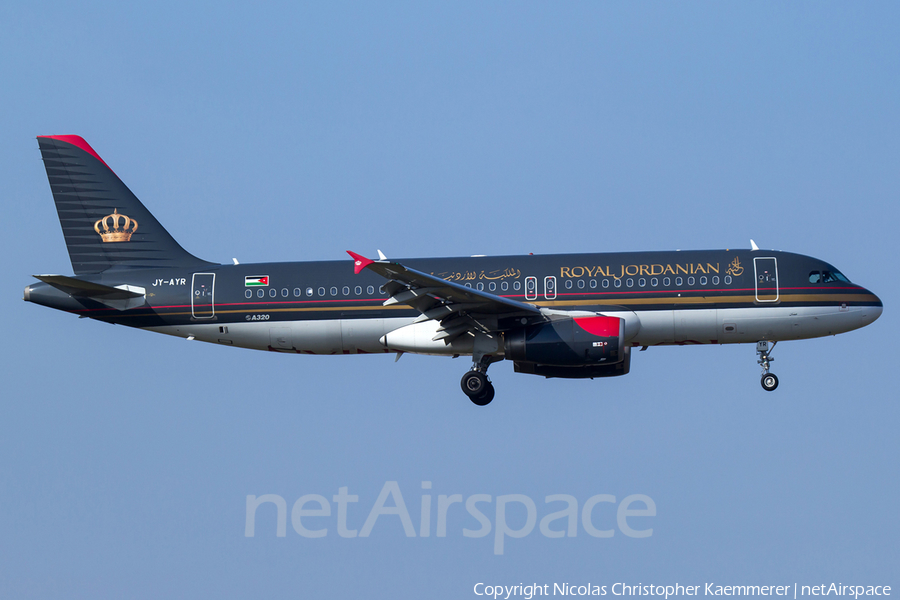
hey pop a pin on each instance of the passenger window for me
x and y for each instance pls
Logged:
(679, 281)
(642, 282)
(492, 286)
(261, 293)
(370, 289)
(618, 283)
(480, 286)
(334, 291)
(358, 290)
(606, 283)
(284, 292)
(568, 284)
(629, 282)
(297, 292)
(815, 277)
(593, 283)
(504, 285)
(248, 293)
(654, 282)
(517, 285)
(690, 281)
(346, 290)
(728, 279)
(703, 280)
(273, 292)
(667, 282)
(321, 291)
(715, 280)
(581, 284)
(309, 291)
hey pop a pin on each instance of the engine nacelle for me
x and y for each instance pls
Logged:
(582, 372)
(569, 342)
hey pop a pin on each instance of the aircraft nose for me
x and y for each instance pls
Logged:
(871, 313)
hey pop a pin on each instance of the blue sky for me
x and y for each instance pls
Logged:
(296, 132)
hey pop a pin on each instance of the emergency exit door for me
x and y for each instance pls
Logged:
(203, 295)
(766, 279)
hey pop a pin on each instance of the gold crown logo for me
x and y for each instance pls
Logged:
(115, 227)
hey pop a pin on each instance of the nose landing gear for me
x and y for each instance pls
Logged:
(769, 381)
(476, 385)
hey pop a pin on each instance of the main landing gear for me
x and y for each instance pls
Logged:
(769, 381)
(476, 385)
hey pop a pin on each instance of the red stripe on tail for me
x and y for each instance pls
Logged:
(78, 142)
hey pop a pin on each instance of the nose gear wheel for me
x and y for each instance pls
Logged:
(769, 381)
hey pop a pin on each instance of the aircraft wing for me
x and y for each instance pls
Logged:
(460, 309)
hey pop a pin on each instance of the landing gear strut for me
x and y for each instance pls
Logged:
(476, 385)
(769, 381)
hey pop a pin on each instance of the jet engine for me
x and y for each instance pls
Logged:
(572, 347)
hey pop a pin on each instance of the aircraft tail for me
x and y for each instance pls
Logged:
(104, 224)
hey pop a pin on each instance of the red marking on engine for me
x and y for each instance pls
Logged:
(600, 326)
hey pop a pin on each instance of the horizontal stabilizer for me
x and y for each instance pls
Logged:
(86, 289)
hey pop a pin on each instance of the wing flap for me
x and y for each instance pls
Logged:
(460, 309)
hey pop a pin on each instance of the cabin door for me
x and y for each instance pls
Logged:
(550, 287)
(531, 288)
(766, 279)
(203, 295)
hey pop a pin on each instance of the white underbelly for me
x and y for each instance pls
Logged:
(704, 326)
(743, 325)
(330, 336)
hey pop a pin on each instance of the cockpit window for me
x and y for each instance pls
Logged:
(815, 277)
(832, 276)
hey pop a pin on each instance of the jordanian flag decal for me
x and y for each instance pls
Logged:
(255, 280)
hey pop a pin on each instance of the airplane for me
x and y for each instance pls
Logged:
(565, 315)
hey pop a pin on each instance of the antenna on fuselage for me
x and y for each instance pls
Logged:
(753, 245)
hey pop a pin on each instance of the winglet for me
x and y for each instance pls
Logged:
(360, 262)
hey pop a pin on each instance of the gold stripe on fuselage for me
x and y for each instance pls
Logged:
(748, 300)
(719, 299)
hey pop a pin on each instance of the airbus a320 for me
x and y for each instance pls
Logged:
(567, 315)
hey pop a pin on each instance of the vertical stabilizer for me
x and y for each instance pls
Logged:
(104, 224)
